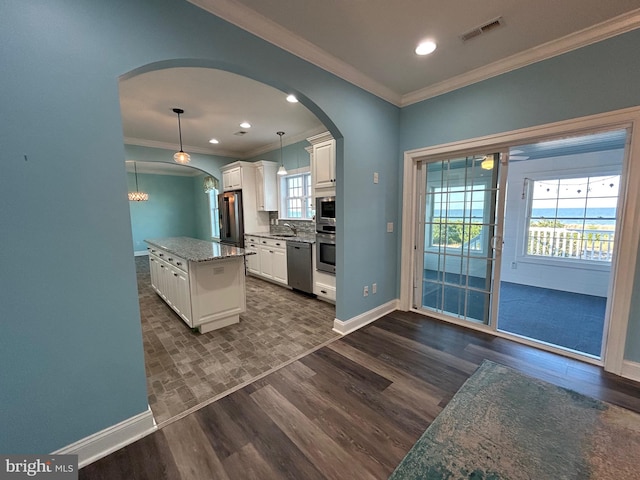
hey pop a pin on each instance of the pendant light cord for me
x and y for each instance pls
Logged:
(180, 131)
(135, 168)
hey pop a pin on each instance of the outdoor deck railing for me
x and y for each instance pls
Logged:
(567, 243)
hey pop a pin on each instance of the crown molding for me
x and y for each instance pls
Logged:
(162, 168)
(285, 141)
(141, 142)
(608, 29)
(251, 21)
(268, 30)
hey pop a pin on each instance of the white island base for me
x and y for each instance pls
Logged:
(207, 294)
(217, 293)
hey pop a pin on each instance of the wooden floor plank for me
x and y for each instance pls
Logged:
(269, 440)
(351, 409)
(248, 464)
(193, 454)
(325, 453)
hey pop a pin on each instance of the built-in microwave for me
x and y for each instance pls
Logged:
(325, 212)
(326, 252)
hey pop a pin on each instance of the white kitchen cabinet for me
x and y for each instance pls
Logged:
(266, 262)
(252, 261)
(242, 176)
(323, 163)
(279, 265)
(170, 279)
(266, 186)
(232, 178)
(180, 299)
(205, 294)
(271, 261)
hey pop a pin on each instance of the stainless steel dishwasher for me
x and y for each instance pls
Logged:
(299, 269)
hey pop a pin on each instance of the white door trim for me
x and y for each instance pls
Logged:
(623, 267)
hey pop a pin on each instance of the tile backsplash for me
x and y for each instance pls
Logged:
(303, 226)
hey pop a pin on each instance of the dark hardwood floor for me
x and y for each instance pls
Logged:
(350, 410)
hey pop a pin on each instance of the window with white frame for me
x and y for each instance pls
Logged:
(211, 189)
(572, 218)
(296, 196)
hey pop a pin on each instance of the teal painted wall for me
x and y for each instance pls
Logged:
(171, 210)
(594, 79)
(71, 353)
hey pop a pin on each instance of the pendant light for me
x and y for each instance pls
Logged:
(137, 196)
(281, 170)
(487, 163)
(181, 156)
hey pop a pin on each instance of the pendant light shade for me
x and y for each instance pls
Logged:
(281, 170)
(181, 156)
(487, 163)
(137, 196)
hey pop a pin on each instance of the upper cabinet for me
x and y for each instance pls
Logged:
(266, 186)
(231, 177)
(323, 162)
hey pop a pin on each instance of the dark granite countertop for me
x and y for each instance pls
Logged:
(195, 250)
(301, 237)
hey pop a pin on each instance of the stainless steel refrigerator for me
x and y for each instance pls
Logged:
(231, 221)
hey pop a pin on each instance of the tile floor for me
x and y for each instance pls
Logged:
(185, 368)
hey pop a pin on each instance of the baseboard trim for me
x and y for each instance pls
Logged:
(359, 321)
(104, 442)
(140, 253)
(630, 370)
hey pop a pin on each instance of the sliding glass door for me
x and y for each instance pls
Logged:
(460, 234)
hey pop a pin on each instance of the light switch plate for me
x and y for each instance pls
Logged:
(375, 177)
(389, 227)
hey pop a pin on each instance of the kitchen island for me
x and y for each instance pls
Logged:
(203, 282)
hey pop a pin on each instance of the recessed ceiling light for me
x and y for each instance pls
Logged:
(213, 140)
(425, 48)
(245, 125)
(292, 99)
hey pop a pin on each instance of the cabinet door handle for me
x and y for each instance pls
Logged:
(270, 251)
(161, 266)
(264, 241)
(175, 274)
(170, 259)
(178, 263)
(323, 291)
(162, 254)
(278, 244)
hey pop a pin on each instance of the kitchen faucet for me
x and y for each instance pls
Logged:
(293, 229)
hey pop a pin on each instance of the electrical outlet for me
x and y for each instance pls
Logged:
(374, 288)
(389, 227)
(365, 292)
(375, 177)
(514, 265)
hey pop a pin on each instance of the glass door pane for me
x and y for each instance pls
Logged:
(459, 236)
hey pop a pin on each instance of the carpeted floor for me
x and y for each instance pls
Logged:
(505, 425)
(185, 369)
(569, 320)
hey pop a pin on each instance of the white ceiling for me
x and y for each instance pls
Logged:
(215, 102)
(367, 42)
(371, 42)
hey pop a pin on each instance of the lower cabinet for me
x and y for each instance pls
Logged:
(171, 282)
(206, 295)
(270, 261)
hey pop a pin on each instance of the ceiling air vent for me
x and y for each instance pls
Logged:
(487, 27)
